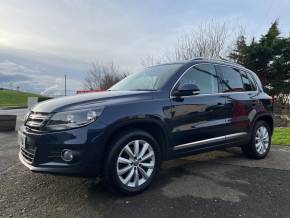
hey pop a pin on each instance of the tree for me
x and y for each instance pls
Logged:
(238, 52)
(207, 40)
(269, 57)
(102, 76)
(271, 35)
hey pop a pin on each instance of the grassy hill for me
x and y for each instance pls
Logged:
(11, 98)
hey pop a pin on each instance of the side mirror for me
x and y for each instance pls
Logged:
(186, 90)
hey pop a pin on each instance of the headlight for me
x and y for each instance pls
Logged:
(73, 119)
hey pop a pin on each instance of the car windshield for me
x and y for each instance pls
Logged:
(150, 79)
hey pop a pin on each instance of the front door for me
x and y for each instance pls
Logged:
(198, 121)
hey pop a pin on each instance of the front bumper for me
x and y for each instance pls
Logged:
(42, 151)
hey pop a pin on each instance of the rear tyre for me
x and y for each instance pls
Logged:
(260, 141)
(132, 163)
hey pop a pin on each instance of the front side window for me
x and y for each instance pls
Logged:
(202, 75)
(150, 79)
(232, 81)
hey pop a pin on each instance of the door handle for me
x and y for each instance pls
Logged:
(220, 104)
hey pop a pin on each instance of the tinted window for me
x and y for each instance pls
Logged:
(152, 78)
(232, 81)
(254, 84)
(255, 80)
(202, 75)
(248, 83)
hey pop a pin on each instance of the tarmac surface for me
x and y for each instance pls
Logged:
(215, 184)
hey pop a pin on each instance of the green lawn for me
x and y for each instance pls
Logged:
(281, 136)
(11, 98)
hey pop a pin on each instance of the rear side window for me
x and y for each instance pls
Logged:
(232, 81)
(202, 75)
(249, 85)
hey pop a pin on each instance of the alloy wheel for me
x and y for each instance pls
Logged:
(262, 140)
(135, 163)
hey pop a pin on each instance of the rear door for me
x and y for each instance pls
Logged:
(198, 121)
(240, 93)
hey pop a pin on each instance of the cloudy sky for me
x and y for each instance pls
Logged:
(41, 40)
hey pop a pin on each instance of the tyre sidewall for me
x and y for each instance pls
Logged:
(117, 146)
(253, 140)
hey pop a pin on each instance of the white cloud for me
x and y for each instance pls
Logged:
(33, 80)
(66, 35)
(126, 30)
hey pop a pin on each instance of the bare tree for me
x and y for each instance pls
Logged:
(102, 76)
(149, 61)
(207, 40)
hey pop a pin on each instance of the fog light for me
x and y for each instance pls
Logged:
(67, 155)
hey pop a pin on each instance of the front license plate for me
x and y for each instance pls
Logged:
(21, 139)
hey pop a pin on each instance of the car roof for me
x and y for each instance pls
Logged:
(216, 61)
(208, 60)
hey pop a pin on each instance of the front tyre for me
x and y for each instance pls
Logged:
(260, 143)
(132, 163)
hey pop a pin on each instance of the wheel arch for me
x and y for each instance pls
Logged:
(267, 118)
(152, 126)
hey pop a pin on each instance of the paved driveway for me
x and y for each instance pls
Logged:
(216, 184)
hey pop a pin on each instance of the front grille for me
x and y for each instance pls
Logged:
(28, 154)
(36, 120)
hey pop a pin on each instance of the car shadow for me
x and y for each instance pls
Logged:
(170, 170)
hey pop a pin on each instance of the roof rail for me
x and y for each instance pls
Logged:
(199, 58)
(216, 59)
(228, 61)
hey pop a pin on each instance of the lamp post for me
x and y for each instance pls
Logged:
(64, 84)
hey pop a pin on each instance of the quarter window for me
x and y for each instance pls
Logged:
(232, 81)
(202, 75)
(248, 83)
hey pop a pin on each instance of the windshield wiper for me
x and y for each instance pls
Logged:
(143, 90)
(132, 90)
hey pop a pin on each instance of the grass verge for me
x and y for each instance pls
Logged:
(11, 98)
(281, 136)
